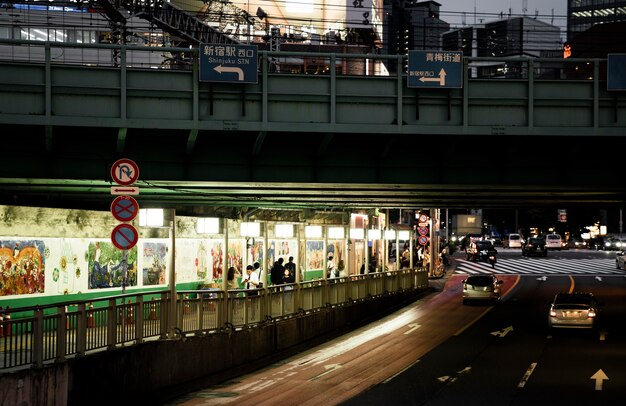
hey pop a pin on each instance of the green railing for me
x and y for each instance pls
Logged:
(38, 335)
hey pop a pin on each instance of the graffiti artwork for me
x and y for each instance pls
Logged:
(22, 268)
(154, 260)
(106, 266)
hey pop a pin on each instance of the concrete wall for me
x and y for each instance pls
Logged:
(155, 371)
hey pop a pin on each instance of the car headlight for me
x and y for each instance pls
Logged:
(591, 313)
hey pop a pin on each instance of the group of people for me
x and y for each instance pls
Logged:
(279, 274)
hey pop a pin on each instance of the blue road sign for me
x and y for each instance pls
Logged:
(124, 236)
(124, 208)
(228, 63)
(435, 69)
(616, 72)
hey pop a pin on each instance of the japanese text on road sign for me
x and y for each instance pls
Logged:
(439, 69)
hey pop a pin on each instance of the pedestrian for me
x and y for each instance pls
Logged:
(330, 268)
(259, 272)
(291, 266)
(406, 258)
(231, 280)
(251, 280)
(289, 275)
(277, 272)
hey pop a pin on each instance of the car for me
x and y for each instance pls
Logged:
(612, 244)
(596, 243)
(512, 241)
(577, 243)
(573, 310)
(481, 250)
(553, 242)
(535, 246)
(484, 287)
(620, 260)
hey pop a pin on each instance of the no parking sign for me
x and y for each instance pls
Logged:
(124, 236)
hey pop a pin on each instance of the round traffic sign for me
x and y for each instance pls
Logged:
(124, 208)
(125, 172)
(422, 240)
(423, 218)
(422, 230)
(124, 236)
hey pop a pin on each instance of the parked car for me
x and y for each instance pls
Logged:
(535, 246)
(553, 242)
(576, 242)
(481, 287)
(573, 310)
(620, 260)
(512, 241)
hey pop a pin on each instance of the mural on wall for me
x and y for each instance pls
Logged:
(106, 265)
(191, 260)
(22, 267)
(281, 249)
(154, 263)
(201, 260)
(216, 259)
(235, 254)
(255, 252)
(314, 255)
(67, 271)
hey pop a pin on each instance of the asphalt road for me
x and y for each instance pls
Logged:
(438, 351)
(509, 356)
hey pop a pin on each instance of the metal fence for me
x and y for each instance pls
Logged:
(290, 63)
(36, 335)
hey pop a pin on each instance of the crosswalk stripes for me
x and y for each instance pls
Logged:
(542, 266)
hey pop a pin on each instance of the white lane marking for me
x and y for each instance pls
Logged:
(526, 376)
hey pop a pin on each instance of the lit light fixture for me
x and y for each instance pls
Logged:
(283, 230)
(357, 234)
(151, 217)
(373, 234)
(313, 231)
(250, 229)
(390, 234)
(336, 233)
(208, 225)
(404, 235)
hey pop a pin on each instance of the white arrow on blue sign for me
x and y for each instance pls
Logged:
(229, 63)
(435, 69)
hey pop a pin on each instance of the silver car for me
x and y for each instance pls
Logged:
(573, 310)
(481, 287)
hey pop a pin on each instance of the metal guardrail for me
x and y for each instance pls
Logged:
(38, 335)
(294, 63)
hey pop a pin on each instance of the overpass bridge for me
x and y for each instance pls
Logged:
(538, 132)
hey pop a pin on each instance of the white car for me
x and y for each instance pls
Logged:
(513, 241)
(553, 242)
